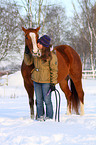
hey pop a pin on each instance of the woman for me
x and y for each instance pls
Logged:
(44, 76)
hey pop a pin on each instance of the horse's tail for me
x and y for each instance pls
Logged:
(74, 98)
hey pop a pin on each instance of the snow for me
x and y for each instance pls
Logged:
(17, 128)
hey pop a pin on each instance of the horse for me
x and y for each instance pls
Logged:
(69, 68)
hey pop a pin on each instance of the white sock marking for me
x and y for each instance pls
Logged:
(82, 108)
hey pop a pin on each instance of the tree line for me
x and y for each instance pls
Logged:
(78, 31)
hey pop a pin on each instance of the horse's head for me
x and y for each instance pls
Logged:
(31, 36)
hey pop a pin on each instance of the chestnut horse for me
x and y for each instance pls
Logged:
(69, 67)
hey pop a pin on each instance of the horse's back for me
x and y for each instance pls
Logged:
(72, 59)
(68, 52)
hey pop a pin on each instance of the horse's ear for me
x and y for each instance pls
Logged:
(38, 28)
(23, 29)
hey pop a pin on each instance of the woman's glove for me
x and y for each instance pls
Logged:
(27, 50)
(52, 87)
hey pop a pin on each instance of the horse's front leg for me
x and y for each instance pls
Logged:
(30, 90)
(31, 103)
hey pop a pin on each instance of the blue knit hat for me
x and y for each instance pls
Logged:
(44, 40)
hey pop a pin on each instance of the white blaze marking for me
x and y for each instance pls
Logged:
(33, 38)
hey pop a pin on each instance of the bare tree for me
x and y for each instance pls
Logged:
(56, 24)
(10, 27)
(34, 11)
(84, 24)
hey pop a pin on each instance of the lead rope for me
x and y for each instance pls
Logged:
(57, 106)
(56, 101)
(56, 91)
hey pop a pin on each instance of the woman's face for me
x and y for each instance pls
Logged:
(40, 46)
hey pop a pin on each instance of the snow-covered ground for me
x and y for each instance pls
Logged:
(16, 127)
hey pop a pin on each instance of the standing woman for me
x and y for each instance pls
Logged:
(44, 75)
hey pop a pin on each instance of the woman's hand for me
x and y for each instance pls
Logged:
(52, 87)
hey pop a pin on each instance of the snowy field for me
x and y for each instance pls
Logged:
(16, 127)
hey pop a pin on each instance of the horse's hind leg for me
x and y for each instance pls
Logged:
(64, 87)
(78, 86)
